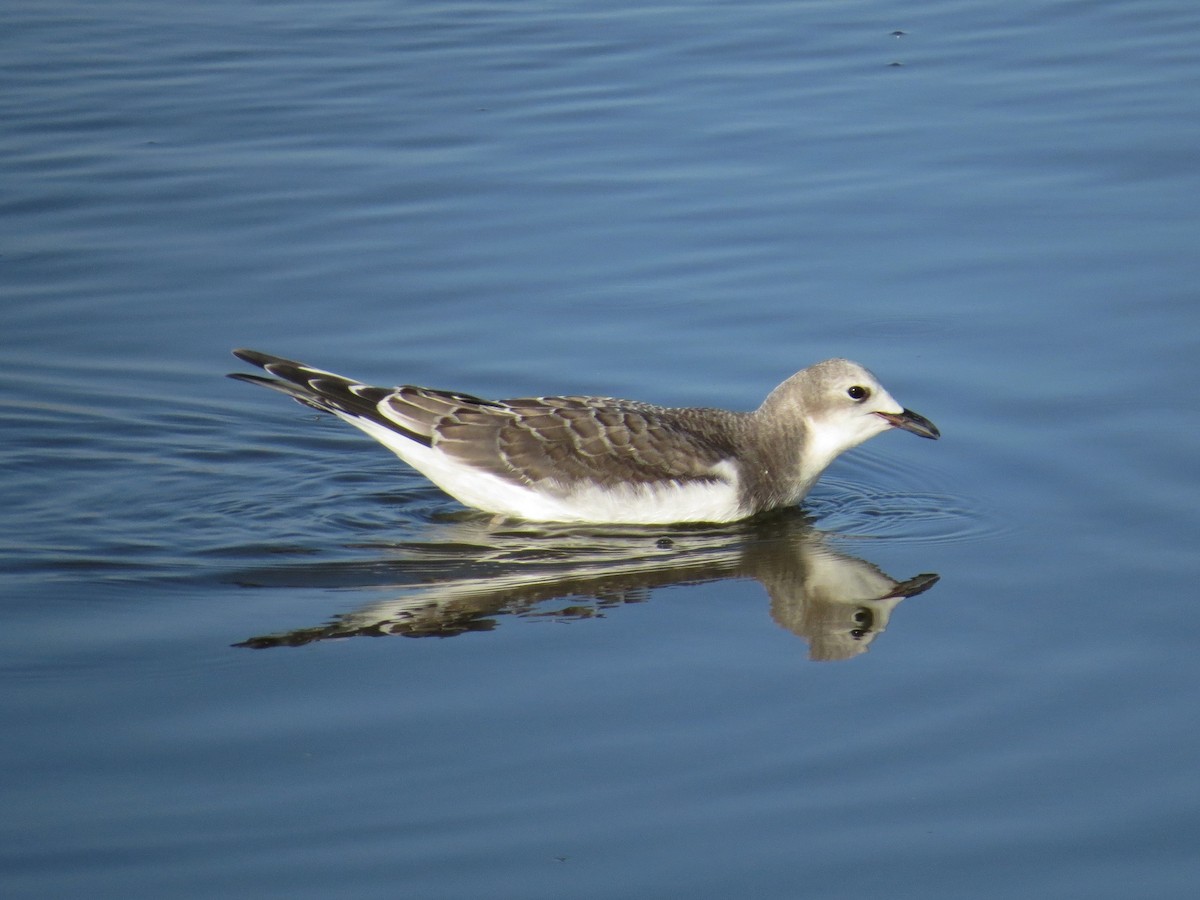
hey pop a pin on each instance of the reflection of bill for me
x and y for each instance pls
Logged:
(478, 570)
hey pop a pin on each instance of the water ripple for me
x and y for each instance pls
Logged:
(916, 506)
(855, 510)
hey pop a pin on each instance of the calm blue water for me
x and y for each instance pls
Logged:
(245, 652)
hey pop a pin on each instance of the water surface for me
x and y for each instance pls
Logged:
(246, 651)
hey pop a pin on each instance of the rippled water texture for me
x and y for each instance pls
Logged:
(245, 651)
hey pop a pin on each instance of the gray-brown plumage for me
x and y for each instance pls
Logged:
(607, 460)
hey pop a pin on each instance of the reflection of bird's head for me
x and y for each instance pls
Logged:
(837, 603)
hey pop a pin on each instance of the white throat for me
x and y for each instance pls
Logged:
(824, 444)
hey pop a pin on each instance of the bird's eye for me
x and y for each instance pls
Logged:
(858, 392)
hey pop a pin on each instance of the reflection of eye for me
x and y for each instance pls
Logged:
(864, 619)
(858, 392)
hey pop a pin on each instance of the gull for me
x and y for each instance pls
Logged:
(600, 460)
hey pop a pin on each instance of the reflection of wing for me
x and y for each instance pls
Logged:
(837, 603)
(463, 606)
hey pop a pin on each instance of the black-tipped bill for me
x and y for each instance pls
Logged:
(911, 421)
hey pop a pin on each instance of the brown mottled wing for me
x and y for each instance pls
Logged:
(554, 443)
(567, 440)
(410, 411)
(559, 443)
(425, 413)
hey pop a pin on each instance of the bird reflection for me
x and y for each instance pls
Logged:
(477, 569)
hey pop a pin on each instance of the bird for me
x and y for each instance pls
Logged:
(600, 460)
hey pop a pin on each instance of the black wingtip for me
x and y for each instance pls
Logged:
(254, 357)
(252, 379)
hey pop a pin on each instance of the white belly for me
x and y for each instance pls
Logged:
(635, 504)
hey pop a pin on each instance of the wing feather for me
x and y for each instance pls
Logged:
(556, 445)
